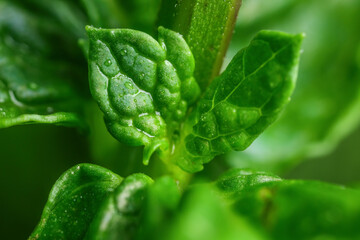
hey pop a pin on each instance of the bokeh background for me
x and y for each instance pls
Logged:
(317, 136)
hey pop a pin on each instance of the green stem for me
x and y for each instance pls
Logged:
(207, 26)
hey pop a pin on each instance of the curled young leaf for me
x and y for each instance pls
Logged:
(143, 86)
(244, 100)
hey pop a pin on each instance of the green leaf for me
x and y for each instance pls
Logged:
(118, 216)
(33, 89)
(144, 87)
(73, 202)
(160, 205)
(237, 180)
(242, 102)
(202, 215)
(295, 209)
(320, 115)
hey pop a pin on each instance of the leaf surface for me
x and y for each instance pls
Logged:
(143, 86)
(320, 114)
(244, 100)
(73, 202)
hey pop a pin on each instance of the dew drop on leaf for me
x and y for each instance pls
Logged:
(107, 62)
(129, 85)
(123, 52)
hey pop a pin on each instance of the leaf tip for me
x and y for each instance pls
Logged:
(151, 148)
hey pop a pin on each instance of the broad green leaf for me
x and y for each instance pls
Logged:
(33, 89)
(118, 217)
(326, 102)
(296, 209)
(244, 100)
(73, 202)
(143, 87)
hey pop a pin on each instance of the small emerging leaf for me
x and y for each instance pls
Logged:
(144, 87)
(242, 102)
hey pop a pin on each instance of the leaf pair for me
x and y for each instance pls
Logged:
(145, 89)
(90, 202)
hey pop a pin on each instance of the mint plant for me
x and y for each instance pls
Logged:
(154, 76)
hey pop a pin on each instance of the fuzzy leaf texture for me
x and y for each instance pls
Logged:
(243, 101)
(143, 86)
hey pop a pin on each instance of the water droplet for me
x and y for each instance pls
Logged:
(123, 52)
(129, 85)
(107, 62)
(142, 76)
(33, 86)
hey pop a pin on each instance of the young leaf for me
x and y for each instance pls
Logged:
(320, 115)
(73, 202)
(242, 102)
(144, 87)
(118, 216)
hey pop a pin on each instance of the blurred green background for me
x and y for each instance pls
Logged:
(317, 137)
